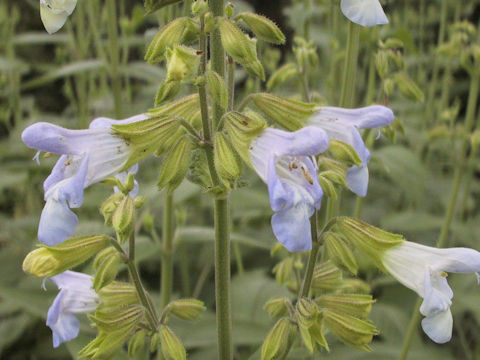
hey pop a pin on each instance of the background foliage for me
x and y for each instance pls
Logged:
(64, 79)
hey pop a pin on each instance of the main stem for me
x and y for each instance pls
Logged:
(350, 68)
(114, 57)
(167, 251)
(312, 259)
(447, 222)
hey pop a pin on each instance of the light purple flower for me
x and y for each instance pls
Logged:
(284, 162)
(342, 125)
(424, 270)
(364, 12)
(87, 156)
(76, 296)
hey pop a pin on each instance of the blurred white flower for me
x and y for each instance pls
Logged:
(364, 12)
(54, 13)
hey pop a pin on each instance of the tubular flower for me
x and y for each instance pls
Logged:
(364, 12)
(54, 13)
(284, 162)
(424, 270)
(76, 296)
(87, 156)
(342, 125)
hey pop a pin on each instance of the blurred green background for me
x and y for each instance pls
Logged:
(66, 79)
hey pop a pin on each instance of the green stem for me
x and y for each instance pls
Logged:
(312, 259)
(350, 68)
(447, 222)
(114, 57)
(231, 83)
(167, 251)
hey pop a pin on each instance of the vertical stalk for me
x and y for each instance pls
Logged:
(312, 259)
(167, 251)
(114, 57)
(350, 68)
(457, 180)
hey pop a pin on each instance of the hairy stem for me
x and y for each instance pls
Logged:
(167, 251)
(350, 67)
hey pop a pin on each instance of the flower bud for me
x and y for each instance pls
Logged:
(408, 88)
(356, 286)
(337, 177)
(263, 28)
(344, 153)
(136, 343)
(106, 267)
(389, 86)
(381, 63)
(186, 309)
(350, 330)
(118, 294)
(339, 252)
(279, 340)
(327, 187)
(175, 165)
(282, 75)
(283, 270)
(172, 347)
(122, 318)
(108, 207)
(357, 305)
(199, 7)
(306, 310)
(169, 36)
(154, 342)
(227, 162)
(182, 63)
(277, 307)
(326, 276)
(306, 54)
(217, 89)
(367, 238)
(286, 112)
(139, 201)
(48, 261)
(229, 10)
(167, 91)
(123, 219)
(240, 47)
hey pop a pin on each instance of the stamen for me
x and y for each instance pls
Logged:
(307, 175)
(443, 274)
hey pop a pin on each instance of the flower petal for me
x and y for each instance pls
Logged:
(291, 226)
(364, 12)
(357, 180)
(65, 327)
(72, 279)
(52, 21)
(368, 117)
(438, 327)
(104, 122)
(57, 222)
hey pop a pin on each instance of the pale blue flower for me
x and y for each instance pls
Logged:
(342, 125)
(424, 270)
(76, 296)
(364, 12)
(284, 161)
(87, 156)
(54, 13)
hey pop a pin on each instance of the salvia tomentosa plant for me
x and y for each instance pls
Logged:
(305, 151)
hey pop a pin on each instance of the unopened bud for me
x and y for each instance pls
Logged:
(108, 207)
(227, 162)
(357, 305)
(139, 201)
(335, 177)
(175, 165)
(114, 320)
(199, 7)
(263, 28)
(172, 347)
(282, 75)
(154, 342)
(169, 36)
(307, 311)
(279, 340)
(286, 112)
(182, 63)
(240, 47)
(229, 10)
(408, 88)
(326, 276)
(167, 91)
(283, 270)
(381, 63)
(355, 286)
(136, 343)
(327, 187)
(48, 261)
(106, 267)
(217, 89)
(186, 309)
(389, 86)
(118, 294)
(350, 330)
(339, 252)
(344, 153)
(277, 307)
(123, 219)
